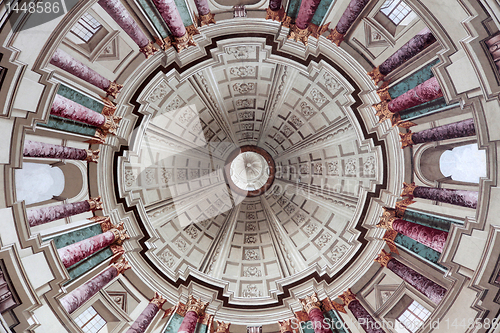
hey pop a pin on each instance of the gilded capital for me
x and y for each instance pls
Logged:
(336, 37)
(206, 19)
(158, 300)
(120, 233)
(148, 50)
(387, 218)
(317, 31)
(183, 42)
(95, 203)
(113, 89)
(275, 15)
(222, 327)
(299, 35)
(111, 124)
(384, 95)
(397, 121)
(310, 302)
(285, 326)
(383, 258)
(406, 139)
(408, 189)
(121, 265)
(382, 111)
(196, 305)
(92, 155)
(376, 75)
(347, 297)
(402, 205)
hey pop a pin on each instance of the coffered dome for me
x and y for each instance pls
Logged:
(249, 163)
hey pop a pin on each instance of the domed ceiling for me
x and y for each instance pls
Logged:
(311, 114)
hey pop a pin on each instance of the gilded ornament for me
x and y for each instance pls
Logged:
(299, 35)
(95, 203)
(158, 300)
(376, 75)
(148, 50)
(121, 265)
(286, 326)
(113, 89)
(196, 305)
(384, 94)
(336, 37)
(382, 111)
(406, 139)
(347, 297)
(316, 31)
(383, 258)
(111, 124)
(387, 218)
(222, 327)
(183, 42)
(120, 233)
(207, 19)
(408, 189)
(92, 155)
(301, 316)
(275, 15)
(310, 302)
(402, 205)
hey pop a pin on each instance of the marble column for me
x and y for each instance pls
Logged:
(146, 317)
(47, 150)
(300, 31)
(424, 92)
(80, 295)
(43, 215)
(120, 14)
(426, 286)
(78, 251)
(194, 309)
(286, 326)
(364, 318)
(414, 46)
(66, 108)
(206, 17)
(459, 129)
(67, 63)
(455, 197)
(275, 11)
(312, 306)
(349, 16)
(170, 14)
(433, 238)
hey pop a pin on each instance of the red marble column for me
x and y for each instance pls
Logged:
(47, 150)
(312, 306)
(78, 251)
(424, 92)
(43, 215)
(455, 197)
(349, 16)
(300, 30)
(194, 309)
(414, 46)
(146, 317)
(433, 238)
(206, 17)
(168, 10)
(459, 129)
(427, 287)
(66, 108)
(80, 295)
(67, 63)
(364, 318)
(120, 14)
